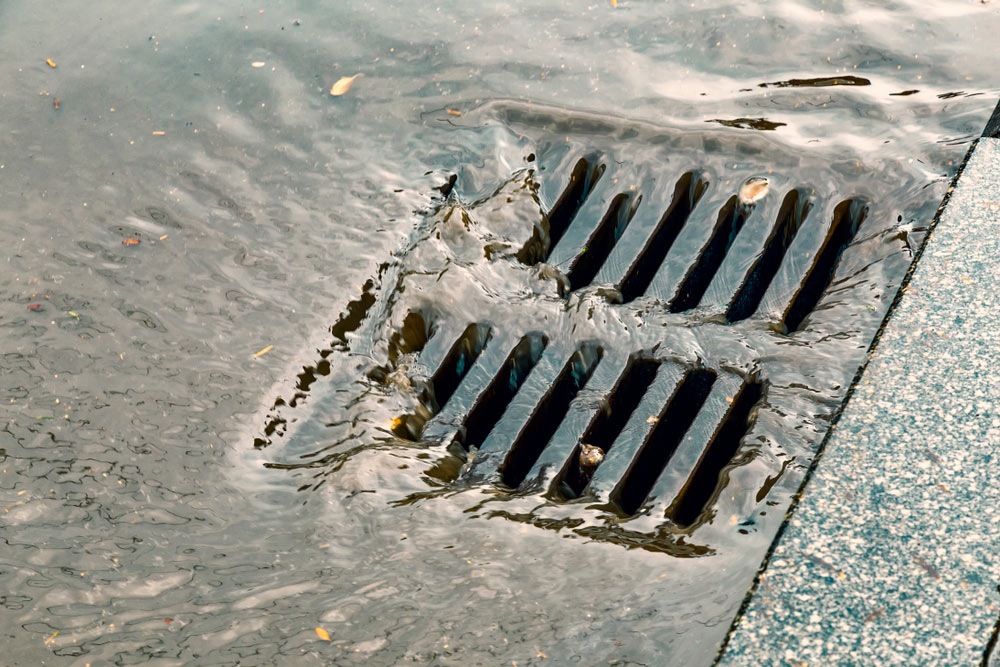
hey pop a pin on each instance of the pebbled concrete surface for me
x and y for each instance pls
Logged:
(893, 553)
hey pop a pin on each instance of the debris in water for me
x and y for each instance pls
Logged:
(258, 64)
(343, 85)
(34, 306)
(50, 63)
(264, 351)
(590, 456)
(453, 112)
(131, 241)
(754, 189)
(323, 634)
(55, 103)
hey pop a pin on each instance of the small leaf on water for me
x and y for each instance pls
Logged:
(323, 634)
(34, 306)
(73, 313)
(453, 112)
(264, 351)
(131, 241)
(343, 85)
(257, 64)
(753, 190)
(50, 63)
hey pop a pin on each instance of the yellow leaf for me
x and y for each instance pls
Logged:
(323, 634)
(52, 638)
(48, 61)
(163, 237)
(614, 3)
(395, 422)
(73, 313)
(258, 64)
(158, 133)
(453, 112)
(343, 85)
(264, 351)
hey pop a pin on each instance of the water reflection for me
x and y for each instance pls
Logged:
(141, 525)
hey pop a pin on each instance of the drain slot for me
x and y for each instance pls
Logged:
(492, 403)
(794, 210)
(581, 182)
(549, 413)
(847, 218)
(456, 364)
(601, 241)
(610, 421)
(440, 387)
(687, 193)
(696, 282)
(704, 482)
(662, 440)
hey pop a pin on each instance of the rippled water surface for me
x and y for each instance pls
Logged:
(140, 520)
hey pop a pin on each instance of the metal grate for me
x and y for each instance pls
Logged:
(647, 328)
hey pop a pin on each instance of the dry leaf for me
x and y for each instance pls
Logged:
(753, 190)
(258, 63)
(158, 133)
(48, 61)
(323, 634)
(131, 241)
(264, 351)
(343, 85)
(163, 237)
(453, 112)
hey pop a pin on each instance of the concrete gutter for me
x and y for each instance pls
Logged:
(891, 553)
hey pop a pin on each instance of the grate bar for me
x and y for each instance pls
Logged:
(794, 210)
(663, 440)
(591, 402)
(847, 218)
(691, 447)
(487, 389)
(536, 412)
(608, 423)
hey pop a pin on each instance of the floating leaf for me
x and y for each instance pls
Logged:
(264, 351)
(50, 63)
(34, 306)
(753, 190)
(453, 112)
(343, 85)
(73, 313)
(323, 634)
(258, 64)
(131, 241)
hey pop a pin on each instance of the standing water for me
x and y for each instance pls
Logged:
(186, 209)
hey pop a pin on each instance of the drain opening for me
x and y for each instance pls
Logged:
(793, 212)
(549, 413)
(456, 364)
(411, 337)
(439, 388)
(493, 402)
(609, 422)
(847, 218)
(581, 182)
(704, 483)
(601, 241)
(699, 276)
(687, 194)
(662, 440)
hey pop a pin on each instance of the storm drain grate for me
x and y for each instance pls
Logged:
(649, 329)
(617, 456)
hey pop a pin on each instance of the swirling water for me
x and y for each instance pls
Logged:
(140, 521)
